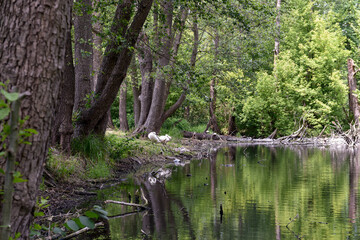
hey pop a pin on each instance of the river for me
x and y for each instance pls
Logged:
(245, 192)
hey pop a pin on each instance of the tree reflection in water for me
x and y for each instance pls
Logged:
(260, 188)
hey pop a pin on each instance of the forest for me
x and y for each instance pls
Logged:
(71, 71)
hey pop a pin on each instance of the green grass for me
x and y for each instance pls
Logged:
(175, 126)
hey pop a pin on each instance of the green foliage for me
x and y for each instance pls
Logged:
(308, 80)
(64, 167)
(120, 148)
(92, 147)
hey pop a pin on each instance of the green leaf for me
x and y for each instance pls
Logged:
(30, 130)
(4, 113)
(92, 214)
(87, 222)
(72, 225)
(58, 230)
(2, 170)
(37, 227)
(10, 96)
(38, 214)
(17, 178)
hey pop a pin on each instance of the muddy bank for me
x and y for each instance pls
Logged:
(68, 196)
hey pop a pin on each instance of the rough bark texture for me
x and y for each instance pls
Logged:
(32, 53)
(353, 100)
(111, 77)
(83, 54)
(124, 126)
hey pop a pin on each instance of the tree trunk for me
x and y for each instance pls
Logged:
(136, 89)
(353, 100)
(212, 106)
(97, 50)
(124, 126)
(157, 114)
(277, 31)
(232, 130)
(67, 96)
(114, 67)
(153, 121)
(147, 82)
(83, 54)
(32, 54)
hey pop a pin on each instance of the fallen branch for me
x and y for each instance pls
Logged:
(85, 229)
(127, 204)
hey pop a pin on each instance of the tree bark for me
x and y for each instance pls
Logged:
(124, 126)
(114, 67)
(147, 81)
(136, 89)
(97, 50)
(32, 54)
(83, 54)
(67, 95)
(153, 121)
(157, 114)
(353, 100)
(277, 31)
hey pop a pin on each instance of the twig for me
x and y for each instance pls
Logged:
(297, 215)
(127, 204)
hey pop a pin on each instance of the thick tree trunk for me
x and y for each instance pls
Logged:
(83, 54)
(32, 54)
(277, 31)
(353, 100)
(114, 67)
(124, 126)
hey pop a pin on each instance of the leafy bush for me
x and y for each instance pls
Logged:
(120, 148)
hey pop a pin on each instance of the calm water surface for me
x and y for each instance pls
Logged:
(265, 193)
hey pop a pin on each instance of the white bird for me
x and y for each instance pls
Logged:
(164, 139)
(153, 137)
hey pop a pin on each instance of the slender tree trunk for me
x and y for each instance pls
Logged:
(232, 130)
(114, 66)
(353, 100)
(97, 50)
(277, 31)
(147, 82)
(212, 106)
(124, 126)
(32, 56)
(83, 53)
(136, 89)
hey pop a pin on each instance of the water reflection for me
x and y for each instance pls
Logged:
(265, 193)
